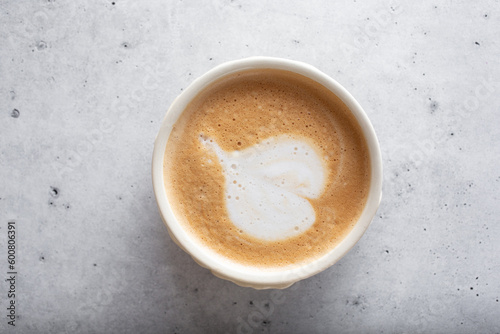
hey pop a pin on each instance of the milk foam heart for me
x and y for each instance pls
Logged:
(268, 186)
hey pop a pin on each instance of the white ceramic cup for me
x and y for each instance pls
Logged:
(238, 273)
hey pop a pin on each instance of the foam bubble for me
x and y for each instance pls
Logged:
(268, 186)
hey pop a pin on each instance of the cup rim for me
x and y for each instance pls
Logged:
(252, 276)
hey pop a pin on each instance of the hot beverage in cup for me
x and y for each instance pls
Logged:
(266, 171)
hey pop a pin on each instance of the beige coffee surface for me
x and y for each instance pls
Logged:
(242, 110)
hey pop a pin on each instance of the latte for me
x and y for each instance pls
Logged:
(267, 168)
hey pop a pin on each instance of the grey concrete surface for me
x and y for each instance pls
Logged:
(85, 84)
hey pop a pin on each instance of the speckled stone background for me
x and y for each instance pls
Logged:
(85, 84)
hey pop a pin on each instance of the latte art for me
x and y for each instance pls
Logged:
(268, 186)
(267, 168)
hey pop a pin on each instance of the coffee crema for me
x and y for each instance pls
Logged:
(267, 168)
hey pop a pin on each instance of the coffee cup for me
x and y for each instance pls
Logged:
(254, 183)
